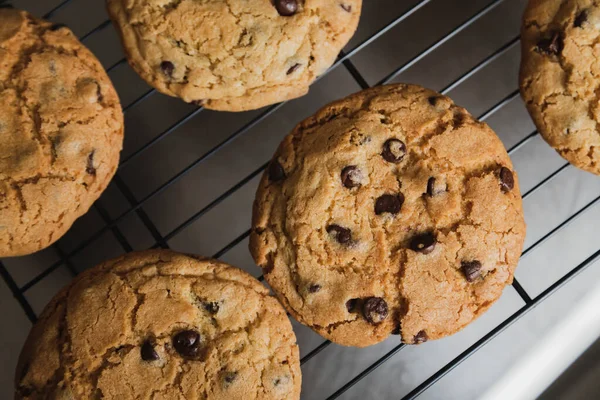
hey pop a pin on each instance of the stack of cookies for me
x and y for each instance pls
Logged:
(390, 212)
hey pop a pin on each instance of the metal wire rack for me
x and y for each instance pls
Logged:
(355, 61)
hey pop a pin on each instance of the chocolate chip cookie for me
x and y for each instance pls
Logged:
(158, 324)
(392, 211)
(233, 55)
(560, 76)
(61, 131)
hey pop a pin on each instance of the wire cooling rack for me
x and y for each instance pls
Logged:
(187, 175)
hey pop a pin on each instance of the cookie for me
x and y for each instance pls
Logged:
(392, 211)
(61, 131)
(233, 55)
(158, 324)
(560, 76)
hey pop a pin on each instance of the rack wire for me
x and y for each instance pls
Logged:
(111, 224)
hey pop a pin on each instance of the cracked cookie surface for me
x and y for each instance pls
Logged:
(560, 76)
(61, 131)
(161, 325)
(392, 211)
(233, 55)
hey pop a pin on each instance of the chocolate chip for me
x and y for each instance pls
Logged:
(351, 176)
(420, 338)
(212, 307)
(90, 164)
(375, 310)
(276, 172)
(396, 330)
(99, 94)
(580, 19)
(187, 343)
(314, 288)
(285, 8)
(433, 100)
(507, 180)
(471, 269)
(167, 68)
(389, 203)
(346, 7)
(148, 353)
(394, 151)
(351, 305)
(552, 45)
(423, 243)
(56, 27)
(229, 377)
(433, 189)
(340, 234)
(293, 68)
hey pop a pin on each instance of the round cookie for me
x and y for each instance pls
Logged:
(392, 211)
(158, 324)
(61, 131)
(233, 55)
(560, 76)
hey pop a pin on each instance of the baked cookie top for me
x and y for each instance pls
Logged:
(233, 55)
(158, 324)
(390, 211)
(61, 131)
(560, 76)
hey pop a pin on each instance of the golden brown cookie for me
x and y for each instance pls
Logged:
(390, 211)
(161, 325)
(61, 131)
(233, 55)
(560, 76)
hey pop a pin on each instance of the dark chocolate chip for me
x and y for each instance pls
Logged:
(285, 8)
(212, 307)
(351, 305)
(276, 172)
(340, 234)
(507, 180)
(99, 94)
(148, 353)
(420, 338)
(187, 343)
(90, 169)
(351, 176)
(314, 288)
(346, 7)
(56, 27)
(432, 189)
(389, 203)
(393, 151)
(433, 100)
(375, 310)
(552, 45)
(423, 243)
(471, 269)
(229, 377)
(293, 68)
(167, 68)
(580, 19)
